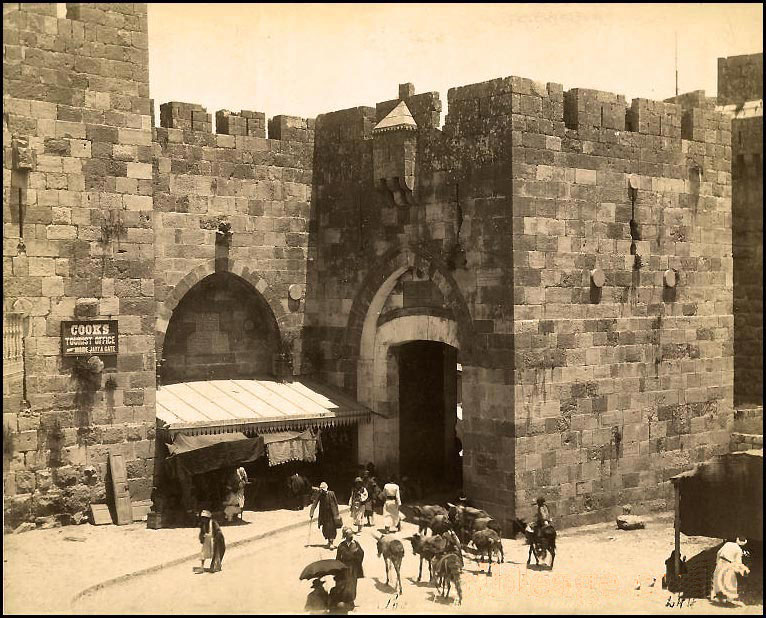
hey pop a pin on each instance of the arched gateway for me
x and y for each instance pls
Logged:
(414, 326)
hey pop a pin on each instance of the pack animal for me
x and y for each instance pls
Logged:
(427, 547)
(540, 542)
(487, 542)
(448, 571)
(299, 490)
(392, 551)
(466, 520)
(425, 514)
(485, 523)
(463, 518)
(439, 524)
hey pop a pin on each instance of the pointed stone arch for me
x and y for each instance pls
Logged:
(378, 284)
(209, 267)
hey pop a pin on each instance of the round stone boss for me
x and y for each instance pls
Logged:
(669, 278)
(597, 277)
(295, 291)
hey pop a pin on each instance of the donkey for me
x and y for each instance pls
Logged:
(392, 550)
(487, 542)
(484, 523)
(426, 548)
(540, 542)
(448, 571)
(439, 524)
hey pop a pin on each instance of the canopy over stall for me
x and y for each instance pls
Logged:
(720, 498)
(205, 453)
(252, 407)
(723, 497)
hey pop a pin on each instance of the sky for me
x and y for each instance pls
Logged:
(308, 59)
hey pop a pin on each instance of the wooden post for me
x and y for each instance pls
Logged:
(677, 530)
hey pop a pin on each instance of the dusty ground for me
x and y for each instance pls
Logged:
(597, 569)
(73, 558)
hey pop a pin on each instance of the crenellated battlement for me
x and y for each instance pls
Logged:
(177, 115)
(292, 128)
(654, 118)
(594, 109)
(243, 124)
(355, 123)
(251, 124)
(691, 117)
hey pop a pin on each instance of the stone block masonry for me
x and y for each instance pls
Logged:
(77, 242)
(590, 397)
(259, 187)
(630, 383)
(573, 247)
(740, 86)
(740, 79)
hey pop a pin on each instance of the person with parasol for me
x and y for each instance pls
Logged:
(318, 600)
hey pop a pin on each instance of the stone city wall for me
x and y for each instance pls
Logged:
(747, 224)
(622, 386)
(590, 397)
(78, 243)
(259, 190)
(574, 247)
(740, 79)
(740, 90)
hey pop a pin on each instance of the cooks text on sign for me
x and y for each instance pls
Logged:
(88, 337)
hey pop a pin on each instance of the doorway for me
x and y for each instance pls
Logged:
(428, 415)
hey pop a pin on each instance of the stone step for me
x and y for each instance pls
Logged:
(746, 441)
(749, 420)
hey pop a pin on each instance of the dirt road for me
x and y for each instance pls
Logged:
(595, 572)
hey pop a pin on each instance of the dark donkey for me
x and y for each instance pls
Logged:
(448, 572)
(426, 548)
(540, 542)
(299, 490)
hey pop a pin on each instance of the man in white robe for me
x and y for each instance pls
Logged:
(728, 566)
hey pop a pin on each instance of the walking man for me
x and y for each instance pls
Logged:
(728, 565)
(357, 502)
(393, 501)
(372, 494)
(213, 543)
(329, 517)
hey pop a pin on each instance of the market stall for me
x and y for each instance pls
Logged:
(720, 498)
(211, 427)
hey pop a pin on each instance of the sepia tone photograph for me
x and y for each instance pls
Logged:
(369, 308)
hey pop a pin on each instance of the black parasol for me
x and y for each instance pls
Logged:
(320, 568)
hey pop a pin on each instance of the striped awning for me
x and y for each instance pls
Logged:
(253, 406)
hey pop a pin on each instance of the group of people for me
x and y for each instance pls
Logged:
(364, 495)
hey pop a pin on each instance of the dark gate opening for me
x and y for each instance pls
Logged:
(429, 451)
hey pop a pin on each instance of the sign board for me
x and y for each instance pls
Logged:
(88, 337)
